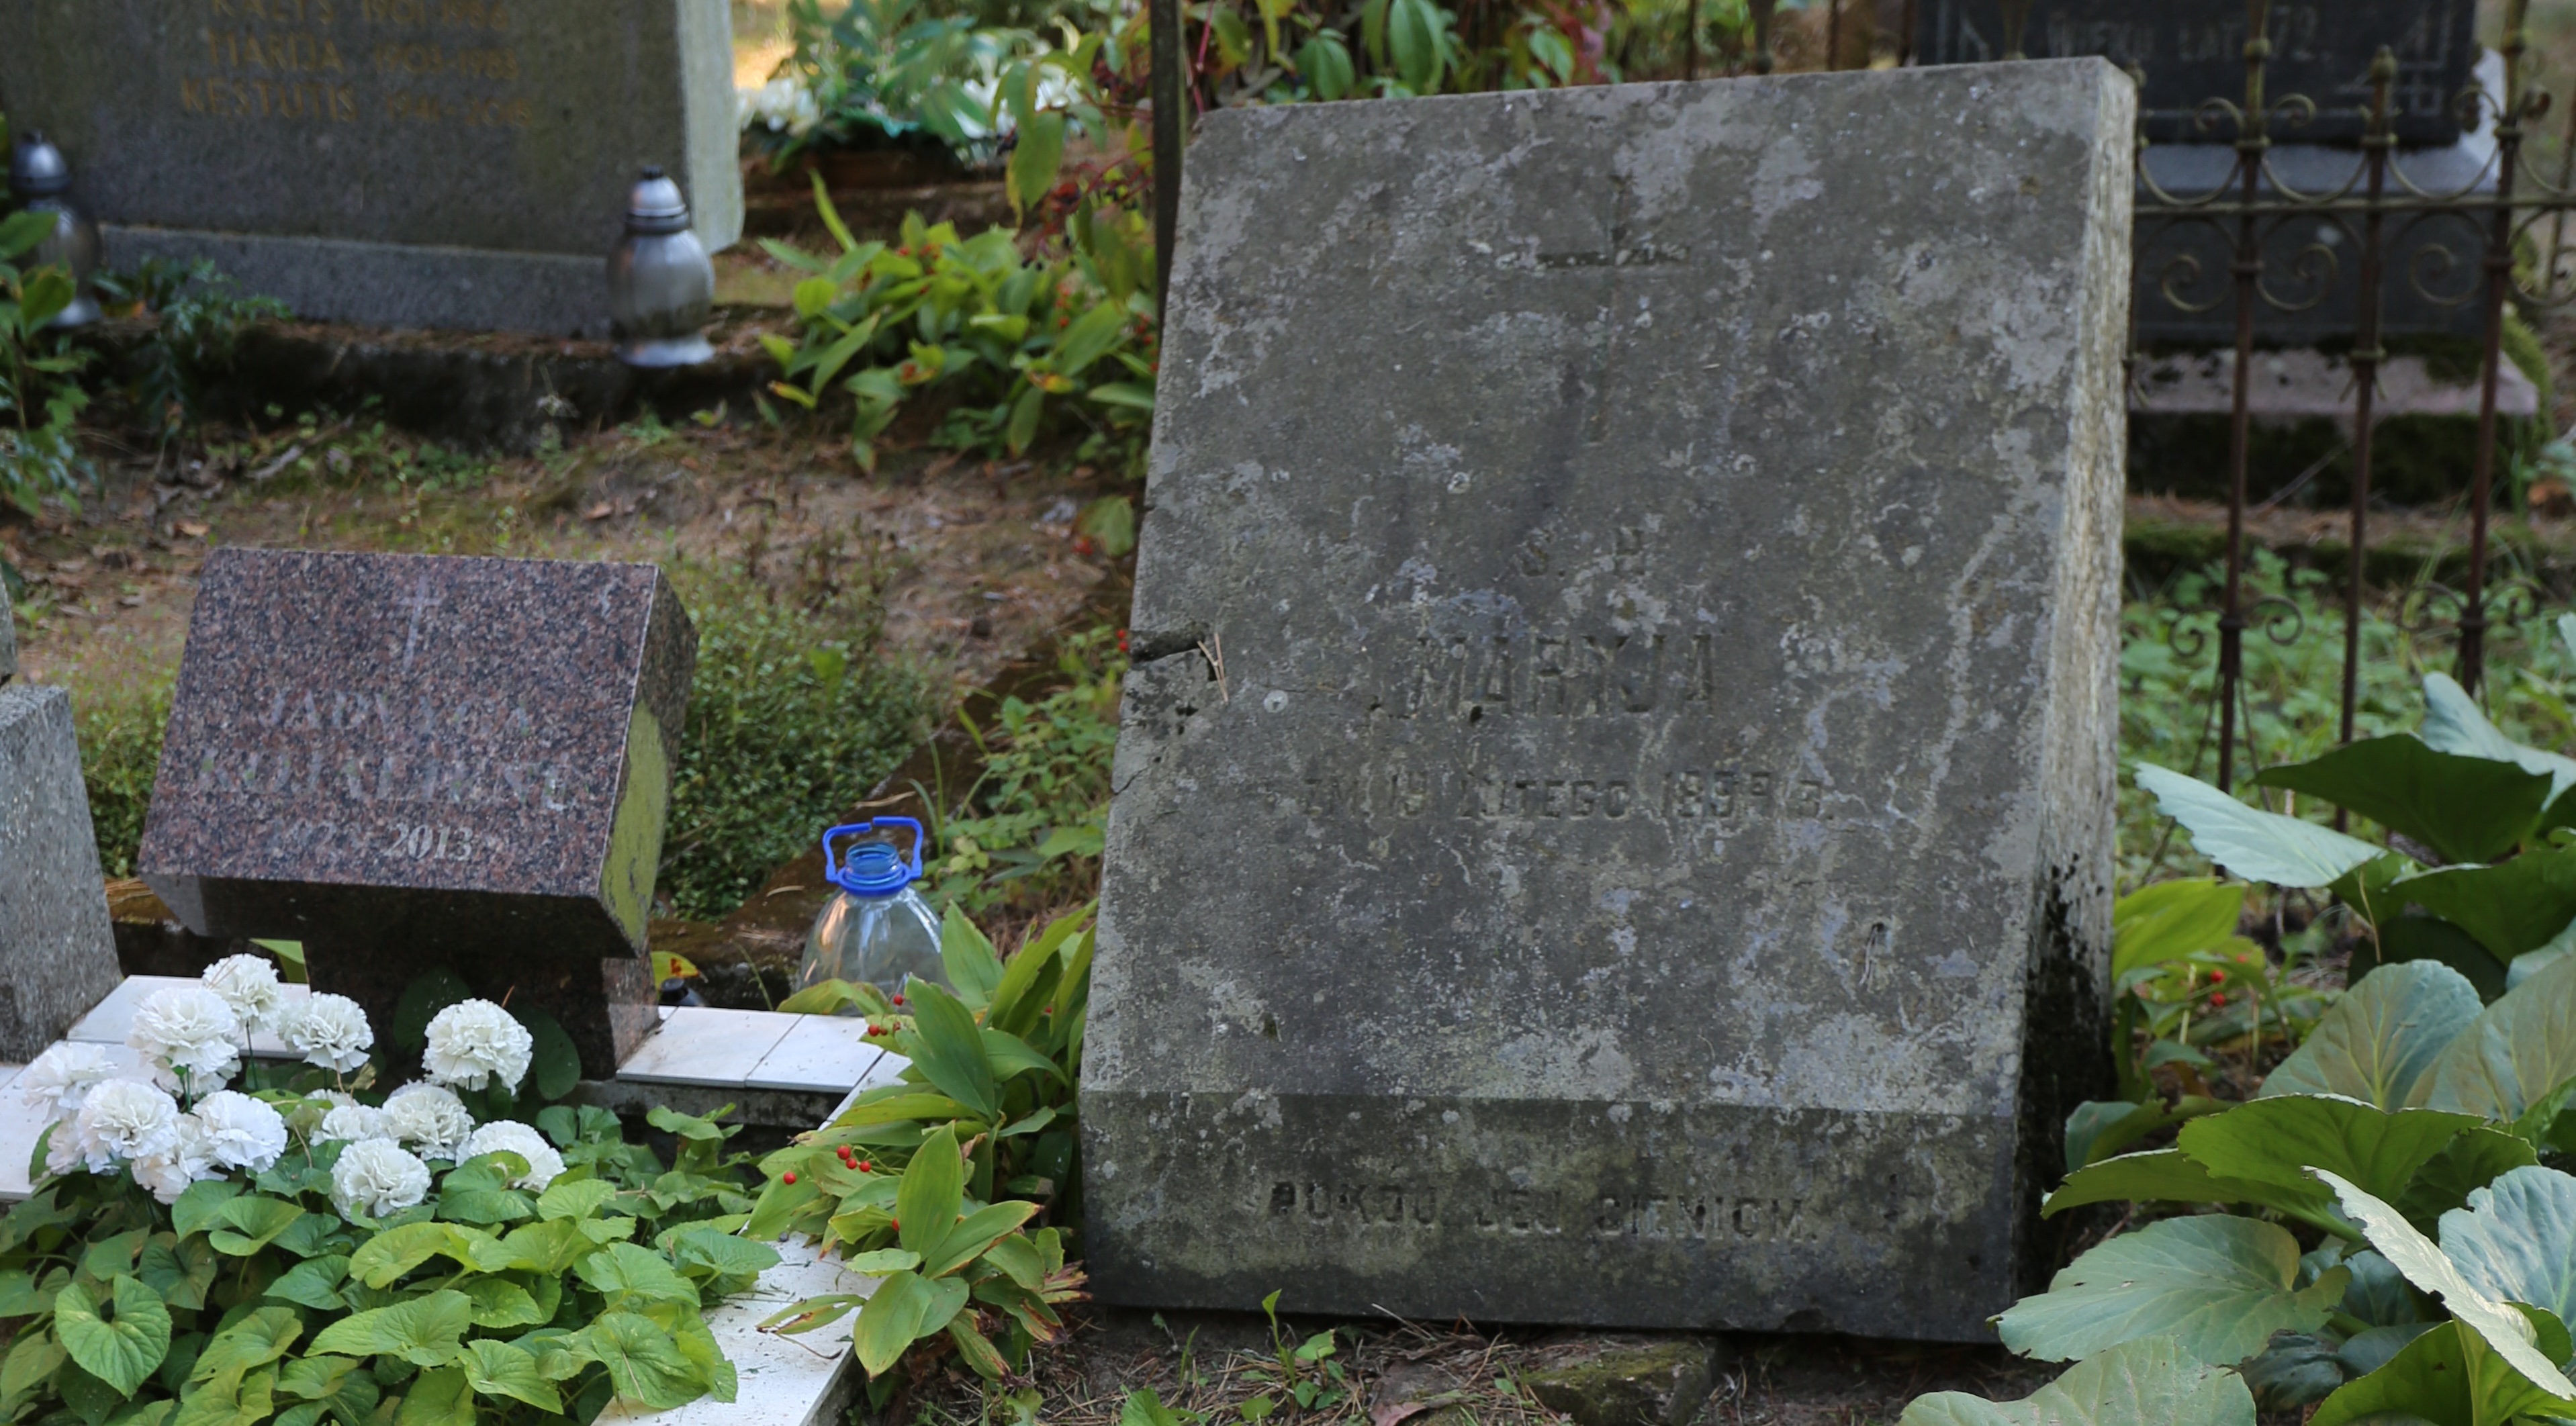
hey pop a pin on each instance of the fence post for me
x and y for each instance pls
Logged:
(2366, 357)
(2251, 141)
(2508, 133)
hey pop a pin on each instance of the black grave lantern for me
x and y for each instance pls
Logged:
(661, 284)
(41, 180)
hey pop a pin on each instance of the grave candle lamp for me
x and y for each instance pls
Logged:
(661, 284)
(41, 178)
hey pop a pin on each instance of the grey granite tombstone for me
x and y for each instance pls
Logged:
(1614, 802)
(57, 948)
(409, 760)
(2193, 51)
(416, 163)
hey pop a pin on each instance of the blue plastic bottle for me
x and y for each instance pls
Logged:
(878, 929)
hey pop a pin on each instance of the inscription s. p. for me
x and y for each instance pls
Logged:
(1646, 1215)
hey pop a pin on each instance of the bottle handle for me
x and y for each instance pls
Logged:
(832, 869)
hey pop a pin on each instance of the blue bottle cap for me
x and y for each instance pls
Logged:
(872, 868)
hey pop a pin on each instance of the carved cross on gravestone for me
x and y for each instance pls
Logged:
(405, 761)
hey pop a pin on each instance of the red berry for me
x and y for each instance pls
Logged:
(2219, 999)
(2216, 976)
(895, 1223)
(790, 1177)
(898, 1000)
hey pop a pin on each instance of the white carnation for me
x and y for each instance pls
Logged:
(68, 1149)
(473, 1041)
(350, 1123)
(126, 1119)
(375, 1177)
(63, 1075)
(429, 1117)
(188, 1030)
(241, 1132)
(510, 1136)
(249, 985)
(330, 1031)
(189, 1158)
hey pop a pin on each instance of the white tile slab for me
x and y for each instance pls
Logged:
(823, 1053)
(697, 1045)
(107, 1021)
(888, 1069)
(784, 1381)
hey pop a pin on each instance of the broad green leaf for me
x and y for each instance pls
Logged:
(310, 1378)
(2454, 724)
(933, 1189)
(2532, 962)
(904, 1309)
(2507, 1332)
(882, 1261)
(2470, 809)
(2219, 1284)
(1022, 427)
(554, 1061)
(813, 295)
(2413, 936)
(2252, 843)
(2098, 1129)
(2466, 1164)
(2158, 1176)
(2381, 1037)
(1010, 1055)
(2511, 907)
(2515, 1241)
(33, 1358)
(2513, 1054)
(499, 1302)
(548, 1248)
(2168, 920)
(22, 230)
(972, 966)
(2445, 1376)
(2148, 1383)
(627, 1272)
(1122, 393)
(643, 1361)
(1036, 158)
(437, 1398)
(43, 295)
(499, 1369)
(385, 1258)
(949, 1050)
(1086, 341)
(979, 1230)
(2278, 1141)
(120, 1340)
(422, 1330)
(720, 1253)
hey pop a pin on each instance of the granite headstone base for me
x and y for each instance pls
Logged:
(607, 1006)
(57, 950)
(389, 284)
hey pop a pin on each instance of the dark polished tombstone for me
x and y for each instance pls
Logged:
(408, 760)
(2193, 51)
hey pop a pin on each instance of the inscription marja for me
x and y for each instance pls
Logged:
(306, 74)
(1603, 673)
(1514, 1212)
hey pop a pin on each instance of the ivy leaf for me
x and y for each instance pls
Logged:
(2218, 1284)
(178, 1272)
(629, 1271)
(705, 1252)
(499, 1302)
(245, 1225)
(119, 1341)
(250, 1343)
(499, 1369)
(201, 1205)
(2153, 1380)
(437, 1398)
(2382, 1037)
(2255, 844)
(643, 1361)
(423, 1331)
(385, 1258)
(560, 1355)
(580, 1198)
(314, 1283)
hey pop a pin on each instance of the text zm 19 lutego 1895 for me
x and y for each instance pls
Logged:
(223, 1240)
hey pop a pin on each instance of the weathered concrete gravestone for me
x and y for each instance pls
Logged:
(57, 949)
(404, 761)
(438, 163)
(2193, 51)
(1646, 858)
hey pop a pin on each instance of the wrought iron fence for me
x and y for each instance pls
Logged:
(2312, 250)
